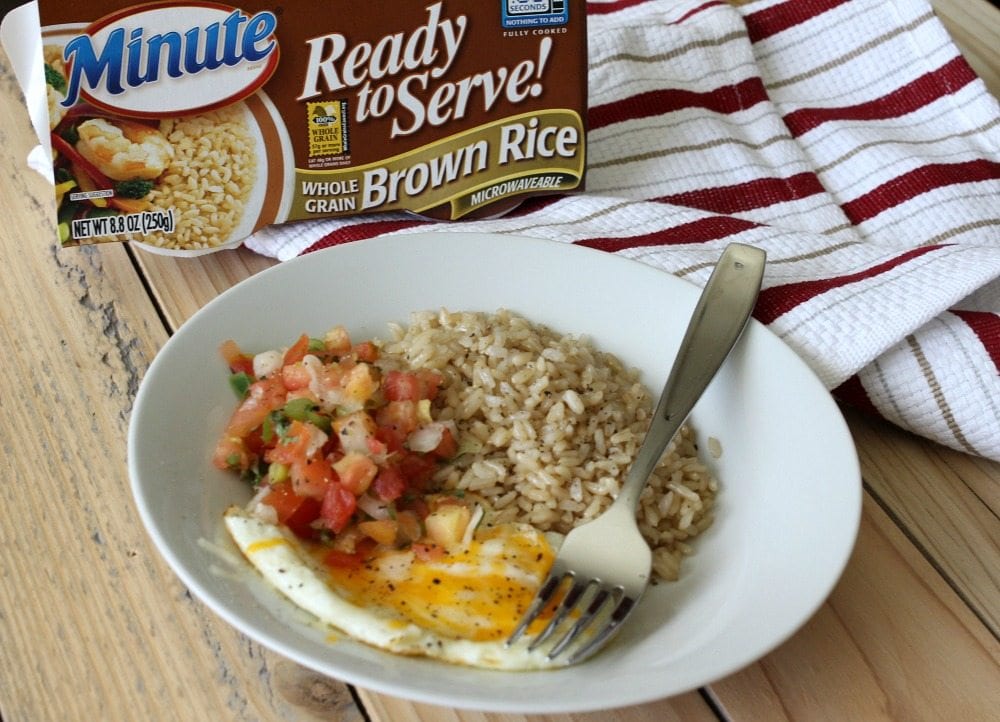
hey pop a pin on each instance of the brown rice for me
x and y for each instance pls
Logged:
(553, 425)
(209, 180)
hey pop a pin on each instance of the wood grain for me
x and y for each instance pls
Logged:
(183, 285)
(93, 620)
(893, 642)
(947, 502)
(683, 708)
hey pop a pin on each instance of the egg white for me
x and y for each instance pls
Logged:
(286, 565)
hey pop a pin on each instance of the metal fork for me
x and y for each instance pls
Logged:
(603, 566)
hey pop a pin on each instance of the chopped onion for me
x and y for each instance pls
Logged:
(373, 507)
(266, 363)
(470, 529)
(426, 438)
(257, 507)
(317, 440)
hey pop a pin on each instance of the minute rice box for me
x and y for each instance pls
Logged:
(188, 125)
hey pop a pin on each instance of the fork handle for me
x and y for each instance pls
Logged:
(718, 320)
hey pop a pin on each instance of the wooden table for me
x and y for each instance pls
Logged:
(94, 626)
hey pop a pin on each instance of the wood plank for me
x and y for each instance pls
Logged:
(947, 502)
(181, 286)
(94, 623)
(893, 642)
(683, 708)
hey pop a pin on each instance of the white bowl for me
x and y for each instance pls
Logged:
(787, 511)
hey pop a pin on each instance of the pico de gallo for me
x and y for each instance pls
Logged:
(343, 449)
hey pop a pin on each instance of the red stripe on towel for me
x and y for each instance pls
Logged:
(618, 5)
(854, 393)
(726, 99)
(776, 301)
(747, 196)
(773, 20)
(917, 182)
(700, 231)
(986, 326)
(612, 7)
(695, 11)
(361, 231)
(946, 80)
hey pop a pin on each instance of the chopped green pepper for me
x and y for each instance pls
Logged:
(240, 383)
(305, 410)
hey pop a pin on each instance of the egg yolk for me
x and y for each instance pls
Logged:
(477, 593)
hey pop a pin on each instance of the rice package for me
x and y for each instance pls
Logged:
(189, 125)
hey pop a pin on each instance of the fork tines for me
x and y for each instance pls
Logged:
(587, 615)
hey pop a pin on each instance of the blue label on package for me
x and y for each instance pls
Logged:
(534, 13)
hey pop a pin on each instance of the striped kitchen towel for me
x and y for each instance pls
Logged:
(850, 140)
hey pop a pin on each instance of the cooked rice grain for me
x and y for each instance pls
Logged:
(209, 180)
(558, 423)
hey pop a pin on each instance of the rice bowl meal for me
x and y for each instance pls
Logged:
(559, 422)
(411, 492)
(766, 428)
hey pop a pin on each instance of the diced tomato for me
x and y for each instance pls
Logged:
(297, 351)
(389, 484)
(392, 438)
(417, 469)
(355, 472)
(431, 382)
(241, 440)
(296, 376)
(401, 416)
(237, 361)
(400, 386)
(265, 396)
(254, 442)
(376, 447)
(342, 560)
(366, 351)
(411, 386)
(310, 474)
(448, 446)
(294, 511)
(338, 507)
(313, 477)
(427, 552)
(293, 446)
(232, 452)
(416, 504)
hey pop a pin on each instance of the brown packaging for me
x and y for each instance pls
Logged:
(189, 125)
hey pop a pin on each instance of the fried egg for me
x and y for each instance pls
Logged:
(459, 608)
